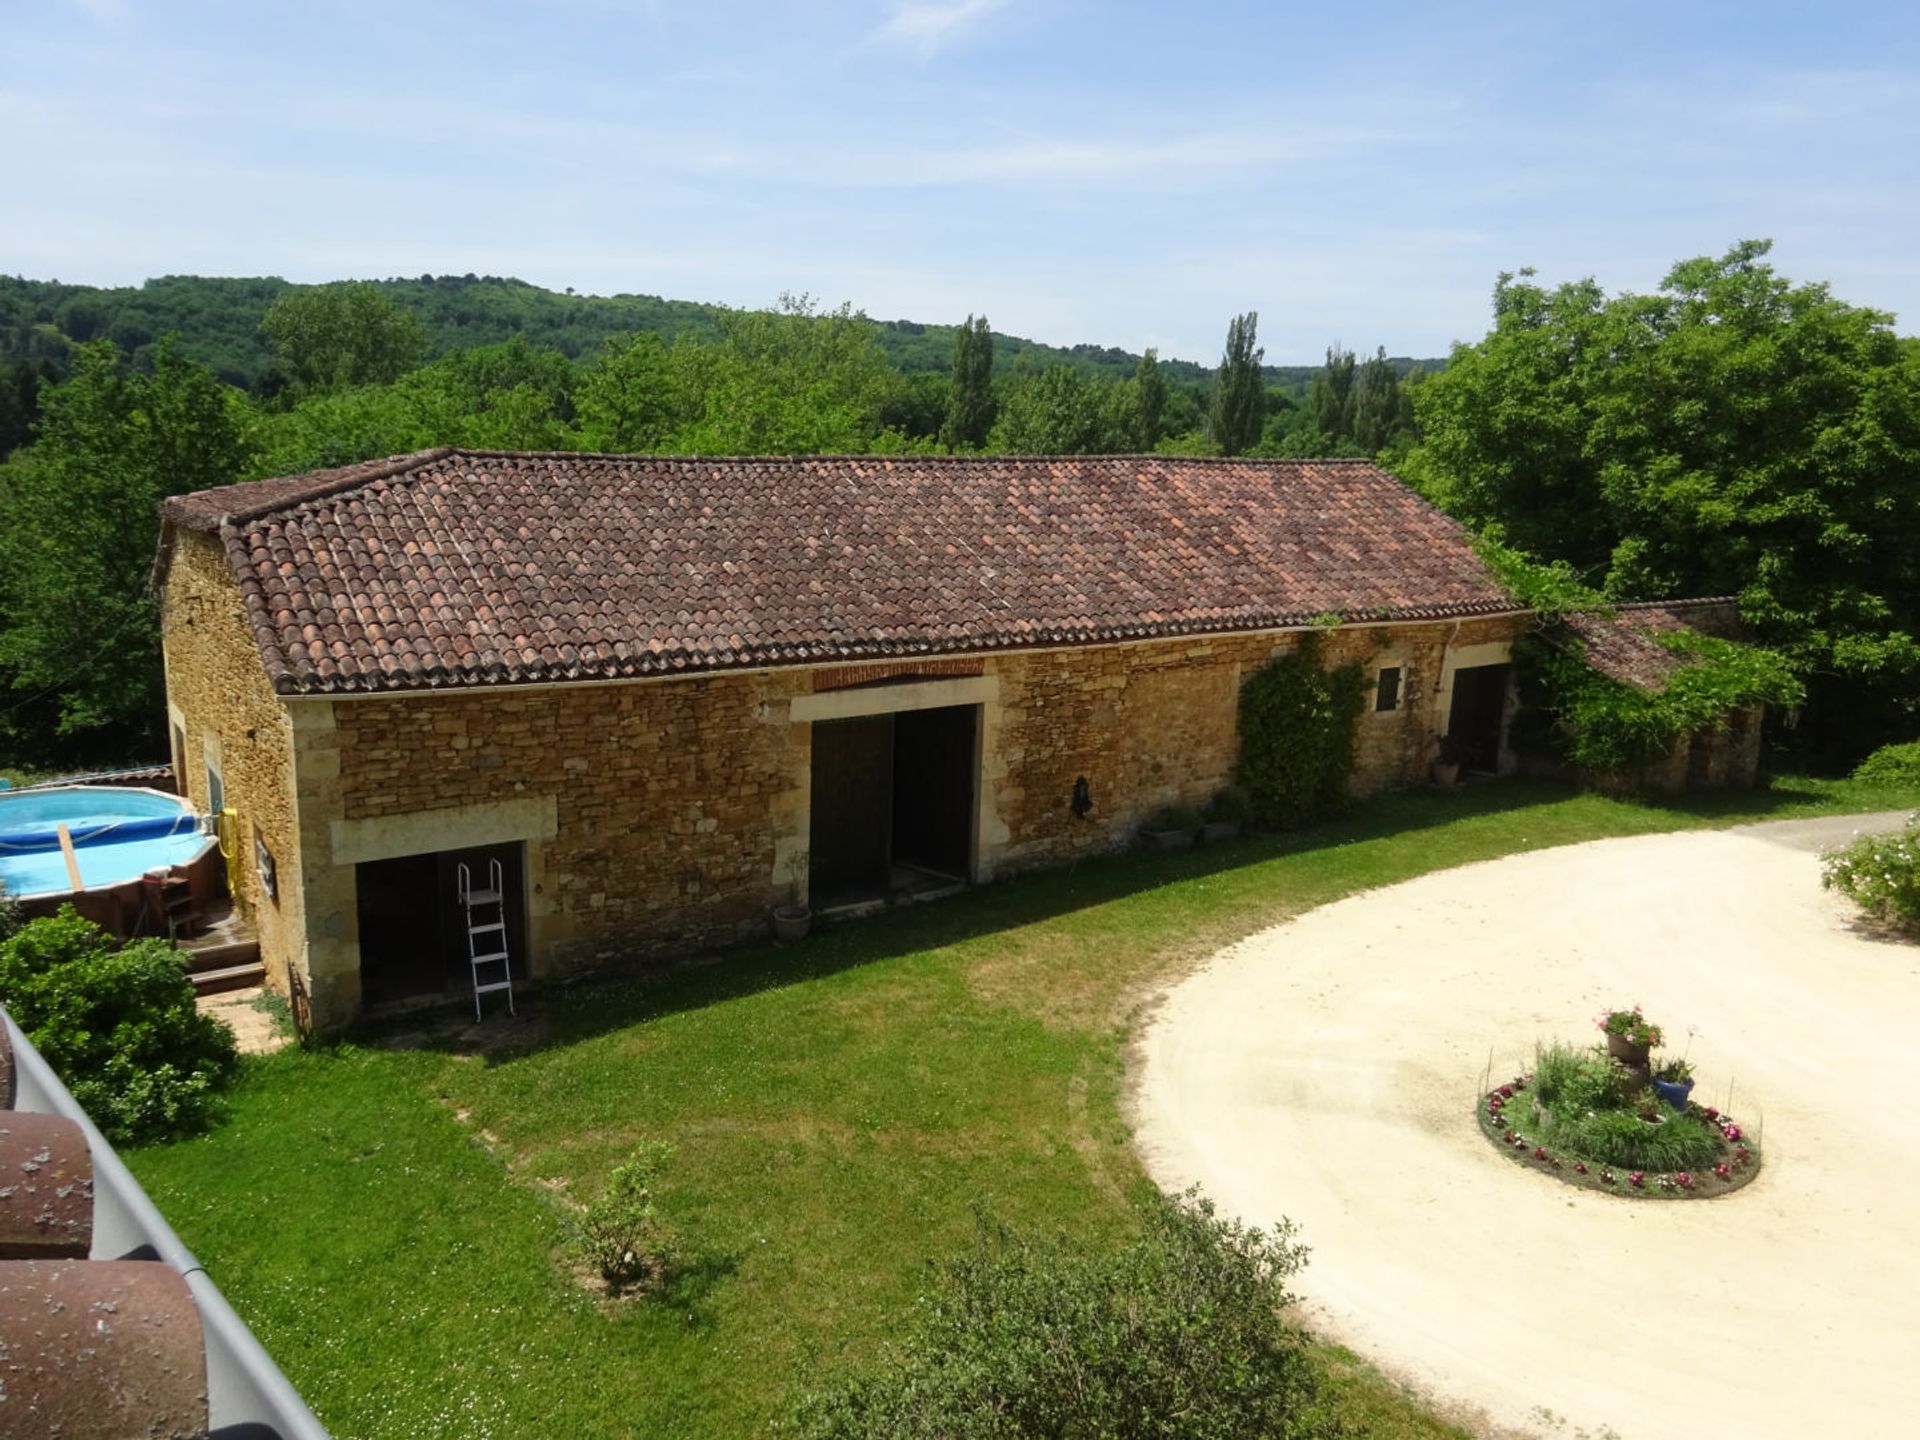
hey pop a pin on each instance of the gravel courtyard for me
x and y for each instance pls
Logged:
(1327, 1069)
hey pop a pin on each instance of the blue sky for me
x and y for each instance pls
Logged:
(1124, 174)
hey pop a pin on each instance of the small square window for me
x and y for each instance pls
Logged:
(1387, 696)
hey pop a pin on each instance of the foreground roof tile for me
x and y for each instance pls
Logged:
(454, 568)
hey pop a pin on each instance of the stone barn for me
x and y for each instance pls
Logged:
(666, 694)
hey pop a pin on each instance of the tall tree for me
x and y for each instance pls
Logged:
(1733, 433)
(79, 646)
(1239, 390)
(1381, 410)
(1145, 404)
(970, 396)
(1331, 398)
(331, 336)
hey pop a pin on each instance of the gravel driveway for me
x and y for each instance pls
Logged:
(1327, 1069)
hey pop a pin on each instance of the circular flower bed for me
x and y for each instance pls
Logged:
(1589, 1119)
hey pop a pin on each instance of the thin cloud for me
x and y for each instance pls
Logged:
(926, 27)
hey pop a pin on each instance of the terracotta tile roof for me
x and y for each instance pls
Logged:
(458, 568)
(1622, 647)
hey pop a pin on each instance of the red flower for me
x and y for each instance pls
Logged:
(1580, 1167)
(1506, 1092)
(1638, 1177)
(1712, 1114)
(1684, 1180)
(1539, 1152)
(1721, 1170)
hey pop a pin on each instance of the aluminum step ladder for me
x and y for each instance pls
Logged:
(487, 939)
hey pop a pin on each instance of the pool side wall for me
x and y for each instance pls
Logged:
(218, 696)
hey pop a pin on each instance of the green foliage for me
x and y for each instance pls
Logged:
(329, 337)
(1586, 1110)
(1551, 591)
(1297, 722)
(1731, 434)
(1606, 725)
(118, 1025)
(1896, 764)
(1881, 873)
(79, 519)
(796, 381)
(628, 400)
(501, 397)
(970, 398)
(1632, 1026)
(1145, 407)
(620, 1232)
(1057, 412)
(1182, 1332)
(1239, 390)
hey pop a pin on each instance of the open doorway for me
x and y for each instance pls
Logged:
(893, 799)
(1479, 714)
(413, 930)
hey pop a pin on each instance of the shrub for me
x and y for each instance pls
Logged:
(1296, 734)
(118, 1025)
(1881, 873)
(9, 916)
(1181, 1332)
(1891, 765)
(620, 1232)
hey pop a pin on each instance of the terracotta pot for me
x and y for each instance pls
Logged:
(1626, 1051)
(1446, 774)
(791, 922)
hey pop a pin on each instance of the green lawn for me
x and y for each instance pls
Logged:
(385, 1218)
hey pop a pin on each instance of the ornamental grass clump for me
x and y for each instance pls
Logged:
(1880, 873)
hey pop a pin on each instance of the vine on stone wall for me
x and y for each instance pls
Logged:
(1297, 721)
(1602, 724)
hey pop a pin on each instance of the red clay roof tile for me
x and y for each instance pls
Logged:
(456, 568)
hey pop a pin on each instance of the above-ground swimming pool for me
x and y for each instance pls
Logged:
(119, 833)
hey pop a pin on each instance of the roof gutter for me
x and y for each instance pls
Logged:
(521, 687)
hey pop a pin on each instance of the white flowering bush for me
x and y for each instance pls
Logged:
(1881, 873)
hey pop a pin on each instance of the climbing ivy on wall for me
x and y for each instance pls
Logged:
(1603, 724)
(1297, 722)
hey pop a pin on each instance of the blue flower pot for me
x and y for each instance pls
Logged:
(1675, 1092)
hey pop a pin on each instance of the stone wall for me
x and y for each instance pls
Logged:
(665, 798)
(218, 695)
(1156, 723)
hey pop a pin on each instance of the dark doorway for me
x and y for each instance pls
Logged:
(1479, 712)
(851, 840)
(413, 931)
(892, 804)
(933, 789)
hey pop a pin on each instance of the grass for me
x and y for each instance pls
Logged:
(387, 1219)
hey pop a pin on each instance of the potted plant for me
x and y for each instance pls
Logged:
(1225, 816)
(1448, 759)
(1630, 1035)
(792, 920)
(1172, 827)
(1673, 1081)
